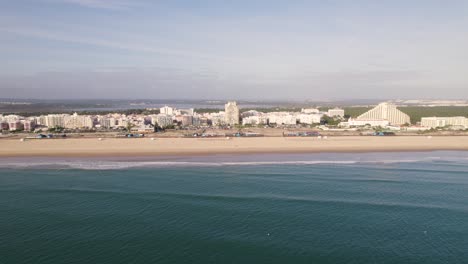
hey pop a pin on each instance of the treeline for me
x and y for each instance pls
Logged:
(100, 112)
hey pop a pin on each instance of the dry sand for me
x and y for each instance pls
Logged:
(192, 146)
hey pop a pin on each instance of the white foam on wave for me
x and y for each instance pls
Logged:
(118, 165)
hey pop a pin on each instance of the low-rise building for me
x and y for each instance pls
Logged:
(309, 118)
(455, 121)
(310, 111)
(336, 112)
(282, 118)
(255, 120)
(363, 122)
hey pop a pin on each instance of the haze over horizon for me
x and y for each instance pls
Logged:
(251, 50)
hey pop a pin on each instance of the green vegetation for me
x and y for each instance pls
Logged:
(101, 112)
(326, 120)
(416, 112)
(207, 110)
(56, 129)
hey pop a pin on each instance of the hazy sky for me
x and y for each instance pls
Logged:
(255, 49)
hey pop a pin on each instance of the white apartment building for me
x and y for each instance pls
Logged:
(310, 110)
(255, 120)
(455, 121)
(363, 122)
(10, 118)
(309, 118)
(188, 111)
(108, 122)
(78, 121)
(217, 119)
(166, 110)
(162, 120)
(335, 112)
(55, 121)
(231, 116)
(282, 118)
(386, 111)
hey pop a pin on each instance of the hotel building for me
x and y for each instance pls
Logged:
(231, 116)
(385, 111)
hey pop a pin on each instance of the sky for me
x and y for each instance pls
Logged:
(255, 49)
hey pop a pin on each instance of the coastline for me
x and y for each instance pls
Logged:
(123, 147)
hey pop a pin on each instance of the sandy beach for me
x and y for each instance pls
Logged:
(193, 146)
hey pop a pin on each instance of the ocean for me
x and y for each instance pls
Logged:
(407, 207)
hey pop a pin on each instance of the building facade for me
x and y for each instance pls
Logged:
(335, 112)
(386, 111)
(78, 121)
(456, 121)
(231, 115)
(365, 122)
(166, 110)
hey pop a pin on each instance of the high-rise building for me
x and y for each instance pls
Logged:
(386, 111)
(55, 121)
(231, 116)
(166, 110)
(187, 120)
(15, 126)
(78, 121)
(4, 125)
(161, 120)
(29, 125)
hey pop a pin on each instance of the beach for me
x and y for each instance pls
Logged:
(93, 147)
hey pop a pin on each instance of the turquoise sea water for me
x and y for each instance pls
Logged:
(317, 208)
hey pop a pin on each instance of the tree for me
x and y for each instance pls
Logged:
(326, 120)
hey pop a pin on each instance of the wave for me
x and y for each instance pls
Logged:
(119, 165)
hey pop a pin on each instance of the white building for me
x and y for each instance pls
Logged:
(15, 125)
(335, 112)
(10, 118)
(255, 120)
(310, 110)
(282, 118)
(309, 118)
(188, 111)
(386, 111)
(231, 116)
(363, 122)
(217, 119)
(162, 120)
(166, 110)
(456, 121)
(55, 121)
(78, 121)
(108, 122)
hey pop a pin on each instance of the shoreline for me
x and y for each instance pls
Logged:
(176, 147)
